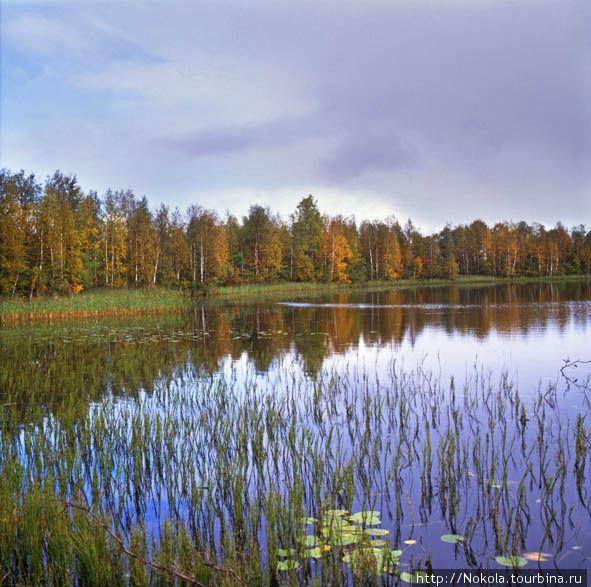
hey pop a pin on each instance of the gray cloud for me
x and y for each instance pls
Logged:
(359, 153)
(240, 139)
(449, 110)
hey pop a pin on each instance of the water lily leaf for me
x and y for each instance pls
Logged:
(345, 539)
(369, 517)
(511, 561)
(288, 565)
(336, 512)
(377, 542)
(416, 577)
(340, 527)
(319, 551)
(376, 531)
(309, 540)
(336, 529)
(352, 528)
(452, 538)
(335, 523)
(410, 542)
(369, 557)
(306, 520)
(542, 557)
(286, 551)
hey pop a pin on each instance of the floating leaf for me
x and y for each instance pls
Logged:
(345, 539)
(288, 565)
(331, 534)
(306, 521)
(416, 577)
(496, 483)
(377, 542)
(542, 557)
(336, 523)
(286, 551)
(410, 542)
(319, 551)
(369, 517)
(309, 540)
(576, 548)
(376, 531)
(364, 557)
(452, 538)
(511, 561)
(336, 512)
(352, 528)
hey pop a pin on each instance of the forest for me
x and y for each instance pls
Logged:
(55, 238)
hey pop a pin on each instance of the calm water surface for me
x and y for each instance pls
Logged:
(473, 426)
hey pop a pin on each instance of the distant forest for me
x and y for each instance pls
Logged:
(54, 238)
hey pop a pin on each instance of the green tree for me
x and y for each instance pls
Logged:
(336, 249)
(307, 233)
(208, 246)
(12, 238)
(261, 250)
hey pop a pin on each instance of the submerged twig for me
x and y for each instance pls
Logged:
(573, 364)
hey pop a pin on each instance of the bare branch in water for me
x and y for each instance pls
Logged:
(568, 364)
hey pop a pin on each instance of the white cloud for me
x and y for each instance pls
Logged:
(422, 109)
(200, 88)
(42, 35)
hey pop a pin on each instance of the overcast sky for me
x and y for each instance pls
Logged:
(442, 110)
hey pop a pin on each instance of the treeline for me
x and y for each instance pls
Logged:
(56, 238)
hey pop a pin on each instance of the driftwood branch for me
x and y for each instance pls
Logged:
(568, 364)
(171, 571)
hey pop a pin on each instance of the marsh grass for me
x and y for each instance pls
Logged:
(94, 304)
(216, 476)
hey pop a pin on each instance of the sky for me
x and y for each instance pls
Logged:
(441, 110)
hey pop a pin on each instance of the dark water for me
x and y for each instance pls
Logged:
(444, 409)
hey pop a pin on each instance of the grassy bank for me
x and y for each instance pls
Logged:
(94, 304)
(104, 303)
(263, 289)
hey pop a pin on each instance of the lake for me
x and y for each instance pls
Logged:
(319, 436)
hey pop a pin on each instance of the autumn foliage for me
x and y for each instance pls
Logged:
(56, 238)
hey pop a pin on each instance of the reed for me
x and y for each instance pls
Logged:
(94, 304)
(241, 477)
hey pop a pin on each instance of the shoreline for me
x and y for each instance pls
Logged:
(150, 301)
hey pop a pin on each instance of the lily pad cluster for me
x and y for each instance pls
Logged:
(357, 539)
(354, 536)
